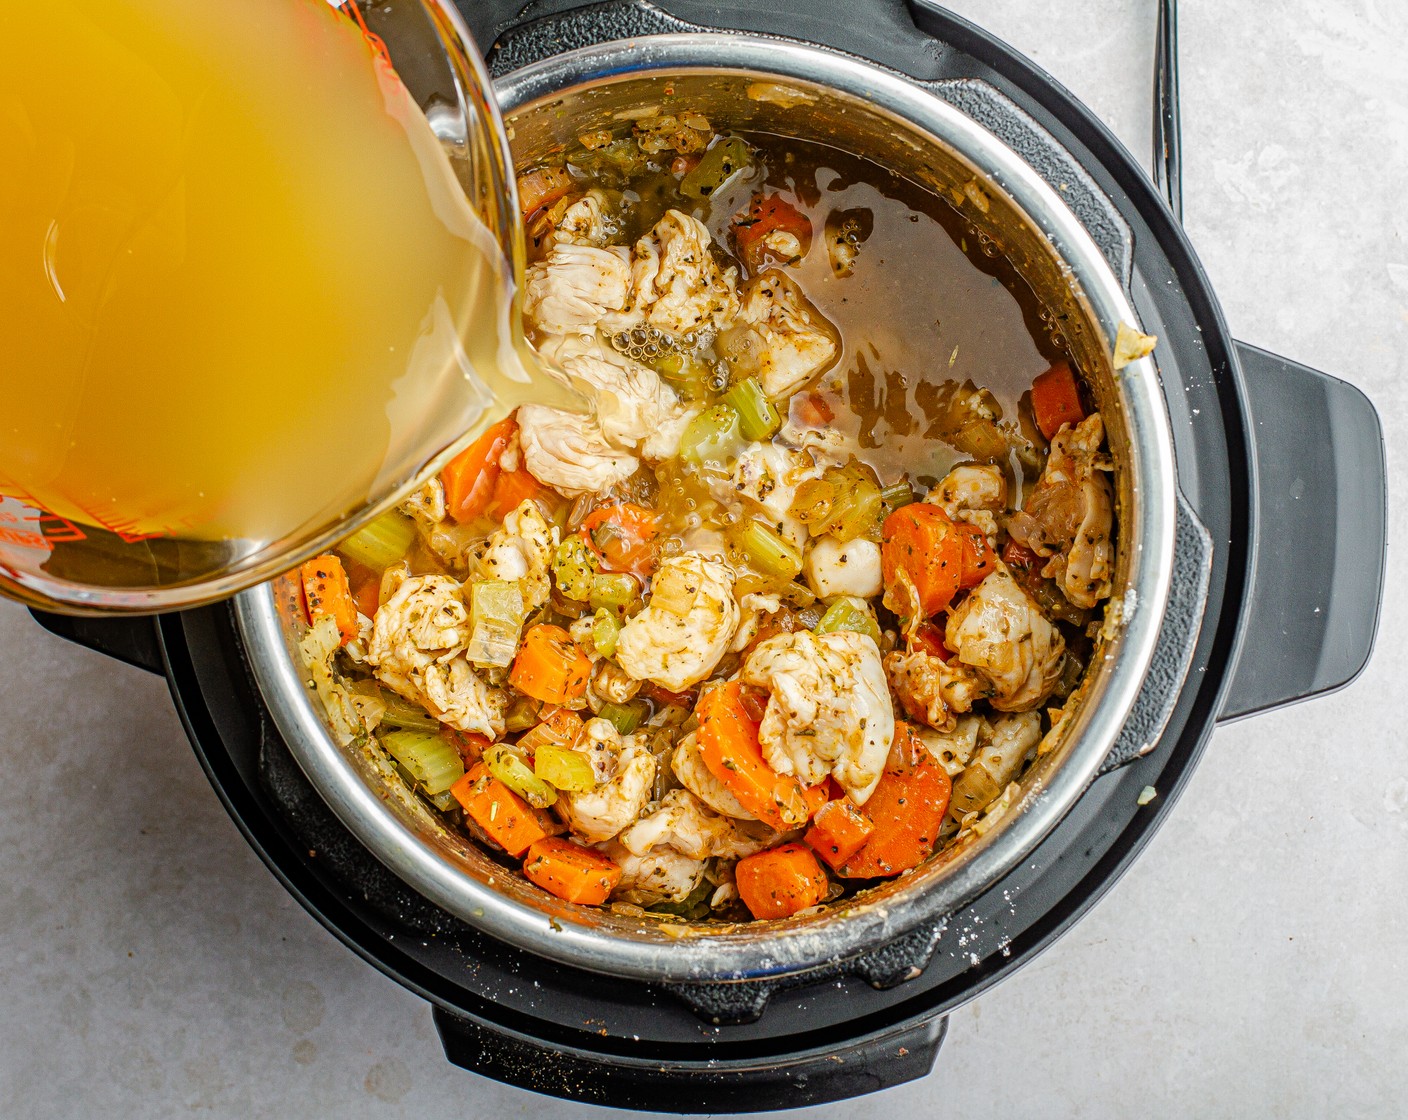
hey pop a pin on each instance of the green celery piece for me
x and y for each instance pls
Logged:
(758, 418)
(433, 762)
(381, 542)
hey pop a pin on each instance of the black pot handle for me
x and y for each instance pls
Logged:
(133, 641)
(886, 33)
(1318, 574)
(701, 1085)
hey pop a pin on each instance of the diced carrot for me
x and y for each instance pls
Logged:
(770, 214)
(780, 881)
(471, 476)
(839, 830)
(1056, 399)
(977, 556)
(366, 587)
(907, 810)
(728, 741)
(505, 817)
(929, 638)
(326, 592)
(570, 871)
(622, 536)
(470, 744)
(513, 488)
(542, 187)
(907, 749)
(812, 410)
(920, 539)
(549, 666)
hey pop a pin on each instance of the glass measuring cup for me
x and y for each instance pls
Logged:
(169, 440)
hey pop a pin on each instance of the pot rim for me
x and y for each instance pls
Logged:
(1147, 528)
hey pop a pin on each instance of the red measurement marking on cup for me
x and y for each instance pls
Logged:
(375, 41)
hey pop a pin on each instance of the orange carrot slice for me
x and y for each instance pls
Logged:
(570, 871)
(780, 881)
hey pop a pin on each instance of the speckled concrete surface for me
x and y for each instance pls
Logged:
(1251, 964)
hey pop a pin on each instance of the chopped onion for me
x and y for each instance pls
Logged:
(496, 617)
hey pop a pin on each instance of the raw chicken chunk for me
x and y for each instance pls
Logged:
(687, 626)
(417, 648)
(1070, 513)
(562, 450)
(635, 409)
(829, 711)
(684, 823)
(930, 689)
(837, 567)
(793, 341)
(574, 287)
(1000, 632)
(678, 286)
(661, 871)
(973, 492)
(522, 551)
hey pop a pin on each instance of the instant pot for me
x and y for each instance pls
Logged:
(1256, 535)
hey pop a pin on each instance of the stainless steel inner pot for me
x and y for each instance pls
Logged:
(783, 87)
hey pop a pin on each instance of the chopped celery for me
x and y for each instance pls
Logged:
(982, 439)
(573, 568)
(857, 510)
(433, 762)
(848, 613)
(505, 765)
(382, 542)
(400, 712)
(757, 418)
(496, 616)
(694, 905)
(522, 714)
(713, 437)
(769, 552)
(717, 166)
(444, 801)
(606, 629)
(627, 717)
(686, 375)
(813, 501)
(900, 494)
(564, 769)
(612, 591)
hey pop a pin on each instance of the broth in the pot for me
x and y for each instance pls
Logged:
(797, 606)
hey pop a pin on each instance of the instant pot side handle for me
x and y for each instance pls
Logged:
(132, 641)
(1318, 567)
(724, 1085)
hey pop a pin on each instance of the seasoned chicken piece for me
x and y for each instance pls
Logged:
(662, 871)
(837, 567)
(688, 766)
(609, 684)
(426, 506)
(829, 710)
(1000, 632)
(587, 221)
(567, 451)
(635, 409)
(574, 287)
(972, 492)
(599, 814)
(522, 551)
(829, 447)
(1069, 514)
(684, 823)
(417, 649)
(764, 480)
(794, 341)
(687, 626)
(756, 606)
(931, 689)
(678, 286)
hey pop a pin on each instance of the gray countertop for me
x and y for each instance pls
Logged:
(1251, 963)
